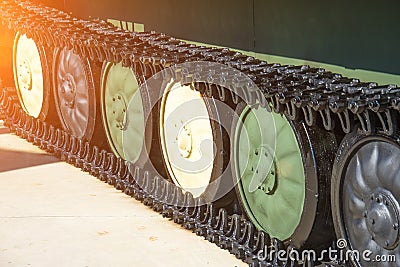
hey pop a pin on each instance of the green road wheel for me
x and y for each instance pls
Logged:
(272, 180)
(365, 197)
(122, 111)
(74, 91)
(279, 184)
(31, 76)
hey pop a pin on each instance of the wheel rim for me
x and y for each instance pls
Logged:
(371, 193)
(28, 75)
(122, 111)
(186, 138)
(270, 167)
(74, 93)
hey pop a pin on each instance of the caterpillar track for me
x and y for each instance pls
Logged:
(332, 108)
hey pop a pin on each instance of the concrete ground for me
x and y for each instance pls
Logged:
(52, 214)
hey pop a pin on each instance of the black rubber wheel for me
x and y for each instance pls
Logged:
(365, 197)
(76, 82)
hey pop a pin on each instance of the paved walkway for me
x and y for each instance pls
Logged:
(52, 214)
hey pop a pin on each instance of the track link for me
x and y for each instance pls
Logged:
(300, 92)
(318, 96)
(228, 231)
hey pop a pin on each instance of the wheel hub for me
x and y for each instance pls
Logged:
(25, 75)
(119, 111)
(269, 181)
(185, 141)
(382, 218)
(68, 90)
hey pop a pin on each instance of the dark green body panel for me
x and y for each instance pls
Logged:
(356, 35)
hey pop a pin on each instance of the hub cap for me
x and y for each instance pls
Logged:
(28, 75)
(270, 168)
(119, 111)
(265, 172)
(68, 90)
(185, 141)
(25, 75)
(382, 218)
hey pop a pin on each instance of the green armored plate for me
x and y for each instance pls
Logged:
(122, 110)
(269, 164)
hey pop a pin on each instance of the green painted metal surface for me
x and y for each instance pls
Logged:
(269, 165)
(120, 90)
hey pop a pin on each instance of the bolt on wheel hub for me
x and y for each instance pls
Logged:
(382, 219)
(68, 90)
(185, 141)
(119, 110)
(267, 175)
(25, 75)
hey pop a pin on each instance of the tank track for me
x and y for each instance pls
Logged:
(228, 231)
(319, 97)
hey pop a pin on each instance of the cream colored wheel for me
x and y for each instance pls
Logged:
(29, 76)
(187, 138)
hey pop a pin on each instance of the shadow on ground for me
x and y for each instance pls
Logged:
(4, 130)
(14, 160)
